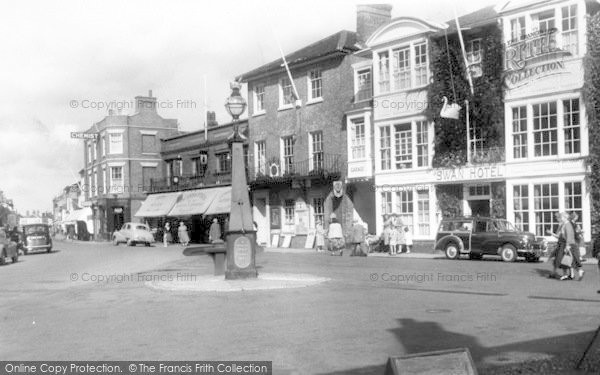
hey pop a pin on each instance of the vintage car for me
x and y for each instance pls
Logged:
(36, 237)
(8, 248)
(479, 236)
(132, 234)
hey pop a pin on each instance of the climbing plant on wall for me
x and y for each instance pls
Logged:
(486, 105)
(591, 98)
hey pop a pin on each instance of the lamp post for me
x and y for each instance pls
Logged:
(240, 236)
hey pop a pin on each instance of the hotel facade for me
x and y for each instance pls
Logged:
(538, 170)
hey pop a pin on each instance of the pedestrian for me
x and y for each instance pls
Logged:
(578, 235)
(182, 232)
(566, 247)
(335, 235)
(393, 240)
(408, 239)
(358, 238)
(167, 236)
(401, 239)
(214, 233)
(320, 236)
(386, 238)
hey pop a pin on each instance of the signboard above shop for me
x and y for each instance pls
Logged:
(82, 135)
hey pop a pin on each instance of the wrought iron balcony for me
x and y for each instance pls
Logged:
(185, 182)
(319, 166)
(488, 155)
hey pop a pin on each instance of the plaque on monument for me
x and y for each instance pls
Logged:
(454, 361)
(242, 252)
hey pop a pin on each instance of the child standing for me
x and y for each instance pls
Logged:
(408, 239)
(401, 238)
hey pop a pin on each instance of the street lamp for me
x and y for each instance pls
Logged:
(240, 235)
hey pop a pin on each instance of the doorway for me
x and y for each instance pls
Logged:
(480, 207)
(118, 218)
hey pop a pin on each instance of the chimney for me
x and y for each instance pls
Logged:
(211, 119)
(145, 103)
(369, 17)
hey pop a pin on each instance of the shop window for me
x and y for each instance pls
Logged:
(403, 145)
(289, 211)
(386, 202)
(571, 124)
(570, 40)
(358, 143)
(404, 207)
(319, 210)
(545, 200)
(422, 142)
(521, 206)
(385, 144)
(423, 217)
(519, 128)
(545, 129)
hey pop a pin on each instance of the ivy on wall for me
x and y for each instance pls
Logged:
(591, 98)
(449, 199)
(486, 105)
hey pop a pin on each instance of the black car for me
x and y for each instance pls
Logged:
(479, 236)
(36, 237)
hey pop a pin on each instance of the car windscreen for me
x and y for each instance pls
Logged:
(458, 225)
(141, 227)
(504, 225)
(35, 229)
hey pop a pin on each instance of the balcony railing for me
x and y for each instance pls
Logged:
(318, 166)
(185, 182)
(488, 155)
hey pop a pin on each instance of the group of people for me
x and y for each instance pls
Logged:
(183, 235)
(336, 240)
(567, 256)
(396, 236)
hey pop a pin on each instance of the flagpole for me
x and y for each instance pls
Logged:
(464, 53)
(205, 111)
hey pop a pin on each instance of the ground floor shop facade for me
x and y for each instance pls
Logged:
(527, 194)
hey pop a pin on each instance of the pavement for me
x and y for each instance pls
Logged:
(99, 302)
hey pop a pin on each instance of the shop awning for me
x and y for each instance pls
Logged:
(194, 202)
(157, 205)
(222, 202)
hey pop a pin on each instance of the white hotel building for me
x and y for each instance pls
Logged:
(542, 170)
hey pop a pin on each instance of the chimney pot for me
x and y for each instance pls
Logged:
(370, 17)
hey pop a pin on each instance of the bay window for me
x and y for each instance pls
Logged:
(408, 144)
(403, 145)
(408, 64)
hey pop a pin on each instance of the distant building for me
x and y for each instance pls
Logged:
(121, 161)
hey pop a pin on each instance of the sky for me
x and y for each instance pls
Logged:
(63, 62)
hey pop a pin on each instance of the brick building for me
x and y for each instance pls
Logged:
(120, 162)
(298, 143)
(197, 180)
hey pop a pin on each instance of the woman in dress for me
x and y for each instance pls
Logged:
(167, 236)
(182, 231)
(335, 234)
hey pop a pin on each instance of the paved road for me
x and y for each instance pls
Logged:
(90, 302)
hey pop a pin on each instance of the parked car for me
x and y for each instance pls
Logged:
(8, 248)
(479, 236)
(132, 234)
(36, 237)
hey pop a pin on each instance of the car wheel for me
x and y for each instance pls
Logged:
(49, 250)
(452, 251)
(15, 259)
(114, 241)
(508, 253)
(147, 244)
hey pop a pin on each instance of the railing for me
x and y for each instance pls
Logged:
(185, 182)
(317, 166)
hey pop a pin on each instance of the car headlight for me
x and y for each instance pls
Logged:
(525, 239)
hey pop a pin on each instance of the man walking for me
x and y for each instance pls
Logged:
(358, 238)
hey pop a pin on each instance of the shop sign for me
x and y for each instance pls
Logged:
(483, 172)
(535, 56)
